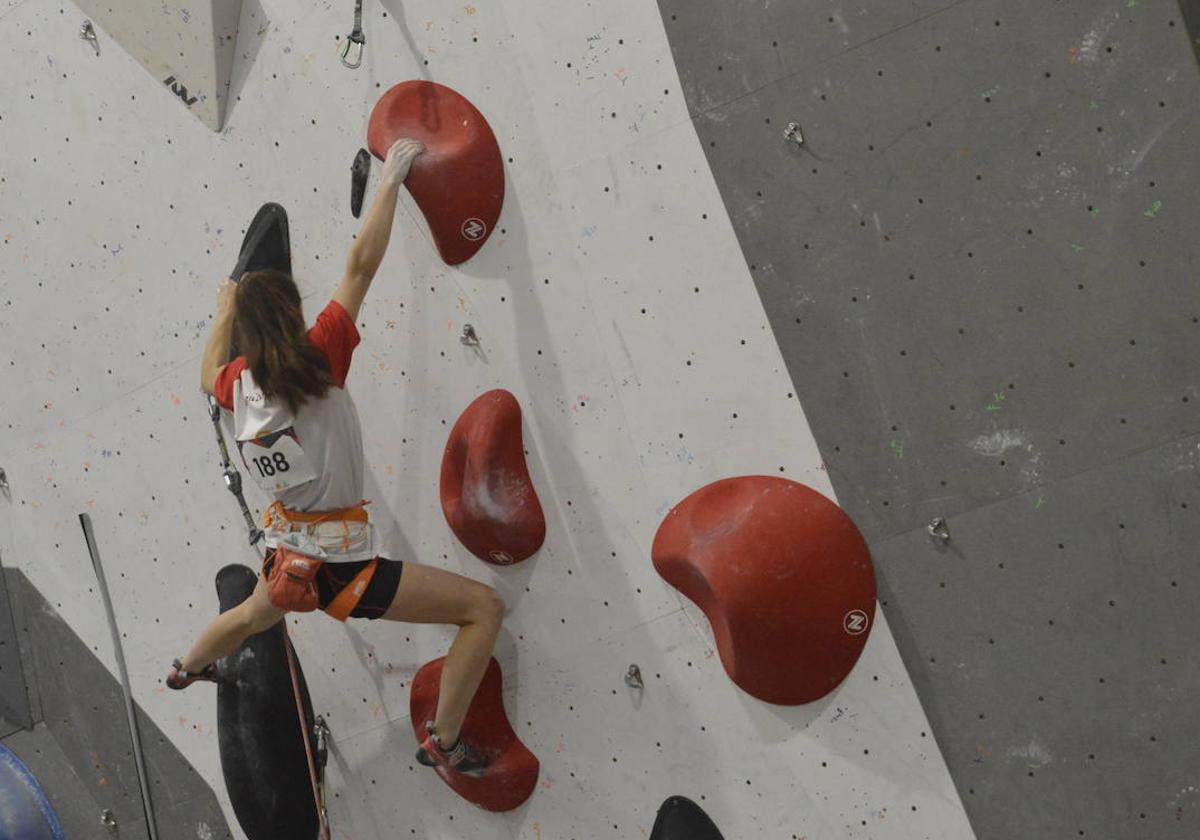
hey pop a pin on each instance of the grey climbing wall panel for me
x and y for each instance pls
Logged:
(1052, 646)
(1191, 19)
(980, 268)
(14, 698)
(83, 709)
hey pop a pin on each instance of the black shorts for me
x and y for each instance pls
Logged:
(334, 577)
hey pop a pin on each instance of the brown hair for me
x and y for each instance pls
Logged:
(268, 328)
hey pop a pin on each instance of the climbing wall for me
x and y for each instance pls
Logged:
(613, 301)
(981, 270)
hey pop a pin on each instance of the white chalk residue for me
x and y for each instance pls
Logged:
(1034, 754)
(203, 832)
(1188, 461)
(1190, 791)
(997, 443)
(1089, 48)
(514, 492)
(1000, 442)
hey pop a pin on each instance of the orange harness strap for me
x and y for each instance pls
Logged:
(346, 600)
(354, 513)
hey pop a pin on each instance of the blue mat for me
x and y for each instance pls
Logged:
(25, 812)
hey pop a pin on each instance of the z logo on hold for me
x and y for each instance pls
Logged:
(474, 229)
(856, 622)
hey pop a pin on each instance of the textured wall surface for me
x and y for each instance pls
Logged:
(981, 269)
(614, 301)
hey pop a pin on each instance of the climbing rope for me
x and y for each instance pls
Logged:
(318, 787)
(233, 480)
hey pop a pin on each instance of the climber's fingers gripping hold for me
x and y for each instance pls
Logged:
(225, 290)
(399, 159)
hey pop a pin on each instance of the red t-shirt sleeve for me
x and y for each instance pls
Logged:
(226, 376)
(336, 336)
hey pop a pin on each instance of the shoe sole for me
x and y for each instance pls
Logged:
(424, 759)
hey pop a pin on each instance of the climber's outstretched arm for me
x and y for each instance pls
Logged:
(367, 251)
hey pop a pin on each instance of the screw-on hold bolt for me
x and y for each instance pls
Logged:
(469, 337)
(108, 820)
(793, 133)
(633, 677)
(938, 529)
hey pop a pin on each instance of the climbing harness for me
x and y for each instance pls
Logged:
(233, 478)
(354, 40)
(328, 532)
(304, 540)
(316, 774)
(139, 757)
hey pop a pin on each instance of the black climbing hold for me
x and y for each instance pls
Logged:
(358, 180)
(267, 244)
(260, 739)
(679, 818)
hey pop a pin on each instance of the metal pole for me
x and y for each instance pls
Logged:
(89, 535)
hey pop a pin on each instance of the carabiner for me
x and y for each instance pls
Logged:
(355, 38)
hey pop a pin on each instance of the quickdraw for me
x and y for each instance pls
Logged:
(354, 39)
(233, 478)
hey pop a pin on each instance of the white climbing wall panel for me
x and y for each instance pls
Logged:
(613, 301)
(187, 46)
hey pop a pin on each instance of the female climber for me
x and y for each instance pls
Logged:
(300, 438)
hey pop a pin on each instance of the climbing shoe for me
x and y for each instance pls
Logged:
(177, 678)
(462, 759)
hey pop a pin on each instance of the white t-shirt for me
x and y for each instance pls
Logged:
(312, 460)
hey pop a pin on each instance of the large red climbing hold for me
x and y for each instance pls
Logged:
(487, 494)
(512, 771)
(784, 577)
(459, 181)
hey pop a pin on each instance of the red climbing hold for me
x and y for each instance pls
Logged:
(459, 181)
(512, 771)
(784, 577)
(487, 495)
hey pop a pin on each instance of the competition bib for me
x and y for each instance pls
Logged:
(276, 461)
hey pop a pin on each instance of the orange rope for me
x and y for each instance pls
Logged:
(312, 765)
